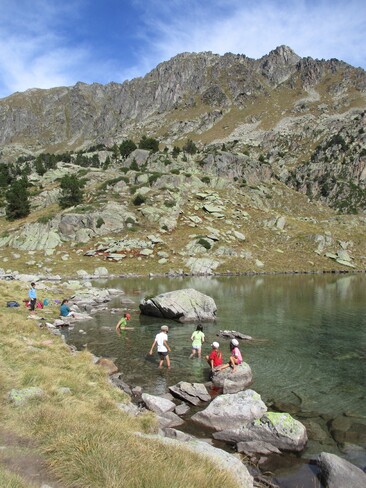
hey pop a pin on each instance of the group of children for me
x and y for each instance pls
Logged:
(214, 359)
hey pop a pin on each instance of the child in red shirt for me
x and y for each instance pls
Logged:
(215, 357)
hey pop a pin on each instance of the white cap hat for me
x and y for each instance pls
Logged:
(235, 342)
(216, 345)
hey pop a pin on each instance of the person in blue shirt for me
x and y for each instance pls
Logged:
(65, 309)
(32, 297)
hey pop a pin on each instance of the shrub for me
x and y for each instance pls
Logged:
(134, 166)
(176, 151)
(139, 200)
(175, 171)
(169, 203)
(204, 243)
(126, 148)
(45, 219)
(100, 222)
(190, 147)
(149, 143)
(154, 177)
(205, 179)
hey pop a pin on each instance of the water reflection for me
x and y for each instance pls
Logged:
(309, 336)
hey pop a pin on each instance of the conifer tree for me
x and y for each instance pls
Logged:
(72, 193)
(17, 200)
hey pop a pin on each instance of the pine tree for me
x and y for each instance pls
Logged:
(72, 193)
(126, 148)
(17, 199)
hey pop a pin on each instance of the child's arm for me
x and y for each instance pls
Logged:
(167, 346)
(152, 347)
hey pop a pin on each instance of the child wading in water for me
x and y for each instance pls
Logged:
(122, 323)
(235, 358)
(198, 338)
(161, 340)
(215, 358)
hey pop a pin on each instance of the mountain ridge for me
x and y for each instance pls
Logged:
(186, 88)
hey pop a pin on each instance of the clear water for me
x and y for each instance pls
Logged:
(309, 336)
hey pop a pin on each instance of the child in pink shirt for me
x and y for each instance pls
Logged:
(235, 358)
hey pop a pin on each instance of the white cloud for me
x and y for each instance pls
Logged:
(325, 29)
(38, 47)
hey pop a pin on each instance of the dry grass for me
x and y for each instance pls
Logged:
(12, 480)
(86, 440)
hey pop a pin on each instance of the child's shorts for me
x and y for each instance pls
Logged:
(163, 355)
(197, 348)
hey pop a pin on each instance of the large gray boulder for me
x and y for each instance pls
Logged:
(157, 404)
(338, 473)
(183, 305)
(276, 429)
(232, 411)
(193, 393)
(232, 382)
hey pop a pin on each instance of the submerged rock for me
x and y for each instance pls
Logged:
(337, 472)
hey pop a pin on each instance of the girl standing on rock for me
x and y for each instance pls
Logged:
(197, 338)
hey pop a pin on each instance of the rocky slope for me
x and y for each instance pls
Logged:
(281, 156)
(204, 94)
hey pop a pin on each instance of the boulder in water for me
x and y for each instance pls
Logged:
(183, 305)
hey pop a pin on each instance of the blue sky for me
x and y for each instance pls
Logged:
(46, 43)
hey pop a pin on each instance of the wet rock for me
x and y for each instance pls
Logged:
(177, 434)
(278, 429)
(169, 419)
(116, 380)
(348, 429)
(337, 472)
(355, 455)
(232, 411)
(182, 305)
(157, 404)
(233, 382)
(182, 409)
(108, 365)
(233, 334)
(257, 447)
(193, 393)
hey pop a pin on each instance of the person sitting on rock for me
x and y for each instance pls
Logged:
(197, 338)
(235, 357)
(215, 357)
(65, 309)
